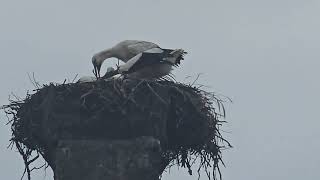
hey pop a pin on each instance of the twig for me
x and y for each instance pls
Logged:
(160, 98)
(74, 78)
(196, 79)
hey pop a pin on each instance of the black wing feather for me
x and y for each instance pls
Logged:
(148, 59)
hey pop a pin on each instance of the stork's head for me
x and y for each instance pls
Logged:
(98, 59)
(96, 62)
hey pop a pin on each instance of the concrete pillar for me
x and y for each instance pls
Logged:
(133, 159)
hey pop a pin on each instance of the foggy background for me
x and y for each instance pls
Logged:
(264, 54)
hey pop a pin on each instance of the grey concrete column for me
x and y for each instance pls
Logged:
(136, 159)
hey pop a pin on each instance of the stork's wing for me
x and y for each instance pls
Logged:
(145, 59)
(141, 46)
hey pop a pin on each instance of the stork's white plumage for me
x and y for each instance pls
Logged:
(85, 79)
(142, 59)
(124, 51)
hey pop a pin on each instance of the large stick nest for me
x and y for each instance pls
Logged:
(184, 118)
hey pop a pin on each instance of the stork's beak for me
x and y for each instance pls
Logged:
(96, 70)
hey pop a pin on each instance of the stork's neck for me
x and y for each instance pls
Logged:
(105, 54)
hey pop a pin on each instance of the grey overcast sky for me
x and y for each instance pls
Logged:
(264, 54)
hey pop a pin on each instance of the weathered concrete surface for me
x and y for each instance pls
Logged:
(136, 159)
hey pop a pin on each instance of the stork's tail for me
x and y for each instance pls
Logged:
(176, 56)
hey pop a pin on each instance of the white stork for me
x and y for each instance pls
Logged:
(142, 59)
(124, 51)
